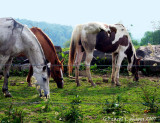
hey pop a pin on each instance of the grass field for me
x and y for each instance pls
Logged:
(133, 101)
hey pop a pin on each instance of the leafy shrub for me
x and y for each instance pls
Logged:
(114, 108)
(93, 67)
(65, 63)
(150, 98)
(73, 114)
(47, 106)
(82, 66)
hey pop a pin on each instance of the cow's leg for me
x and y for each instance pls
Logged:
(88, 60)
(29, 76)
(88, 42)
(119, 61)
(114, 59)
(78, 60)
(6, 76)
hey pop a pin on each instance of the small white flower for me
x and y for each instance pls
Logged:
(56, 113)
(43, 107)
(113, 113)
(116, 105)
(60, 119)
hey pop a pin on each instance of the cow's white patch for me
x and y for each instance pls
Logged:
(61, 74)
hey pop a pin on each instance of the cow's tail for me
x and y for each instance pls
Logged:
(73, 46)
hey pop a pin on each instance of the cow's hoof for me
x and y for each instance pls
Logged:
(8, 94)
(118, 84)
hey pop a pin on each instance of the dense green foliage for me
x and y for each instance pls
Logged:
(57, 33)
(151, 37)
(135, 42)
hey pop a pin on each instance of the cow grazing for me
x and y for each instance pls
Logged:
(106, 38)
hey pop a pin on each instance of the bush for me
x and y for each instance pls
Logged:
(150, 98)
(73, 114)
(65, 63)
(114, 108)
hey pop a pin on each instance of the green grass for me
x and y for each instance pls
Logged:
(136, 46)
(26, 99)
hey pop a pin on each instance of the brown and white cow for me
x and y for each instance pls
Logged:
(106, 38)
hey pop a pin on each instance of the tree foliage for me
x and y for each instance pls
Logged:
(56, 32)
(151, 37)
(135, 42)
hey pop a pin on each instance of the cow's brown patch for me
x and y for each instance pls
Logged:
(129, 52)
(113, 29)
(124, 40)
(104, 42)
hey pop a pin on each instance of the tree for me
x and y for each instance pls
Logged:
(135, 42)
(151, 37)
(147, 38)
